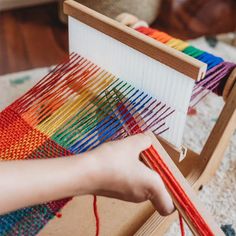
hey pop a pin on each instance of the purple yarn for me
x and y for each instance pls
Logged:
(214, 81)
(229, 67)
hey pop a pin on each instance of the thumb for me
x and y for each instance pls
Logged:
(158, 194)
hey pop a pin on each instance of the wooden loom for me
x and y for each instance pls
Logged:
(121, 218)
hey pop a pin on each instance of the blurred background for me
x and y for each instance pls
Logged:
(33, 33)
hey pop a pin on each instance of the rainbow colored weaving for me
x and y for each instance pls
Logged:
(218, 70)
(73, 109)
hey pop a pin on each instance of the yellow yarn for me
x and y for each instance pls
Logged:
(177, 44)
(73, 105)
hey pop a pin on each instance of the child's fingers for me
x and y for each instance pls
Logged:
(138, 142)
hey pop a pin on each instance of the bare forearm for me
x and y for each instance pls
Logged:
(29, 182)
(112, 170)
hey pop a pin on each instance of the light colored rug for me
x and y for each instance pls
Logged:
(219, 196)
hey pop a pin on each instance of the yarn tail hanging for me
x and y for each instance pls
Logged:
(96, 215)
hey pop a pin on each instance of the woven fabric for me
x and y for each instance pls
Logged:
(21, 141)
(71, 110)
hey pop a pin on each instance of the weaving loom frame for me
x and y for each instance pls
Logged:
(204, 166)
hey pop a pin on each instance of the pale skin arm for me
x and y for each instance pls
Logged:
(112, 170)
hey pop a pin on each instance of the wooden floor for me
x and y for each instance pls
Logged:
(31, 37)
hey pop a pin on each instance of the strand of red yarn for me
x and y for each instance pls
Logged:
(186, 204)
(95, 211)
(181, 223)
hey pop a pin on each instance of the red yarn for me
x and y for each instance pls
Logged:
(181, 223)
(59, 215)
(160, 167)
(95, 211)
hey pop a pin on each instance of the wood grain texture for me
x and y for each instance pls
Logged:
(31, 37)
(142, 43)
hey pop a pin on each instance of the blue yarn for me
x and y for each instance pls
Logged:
(74, 148)
(113, 125)
(209, 59)
(10, 220)
(108, 126)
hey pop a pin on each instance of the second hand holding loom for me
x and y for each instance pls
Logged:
(79, 106)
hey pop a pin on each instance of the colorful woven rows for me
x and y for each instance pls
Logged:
(73, 109)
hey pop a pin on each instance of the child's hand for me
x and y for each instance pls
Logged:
(120, 174)
(111, 170)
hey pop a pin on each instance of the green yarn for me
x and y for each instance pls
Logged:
(88, 119)
(192, 51)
